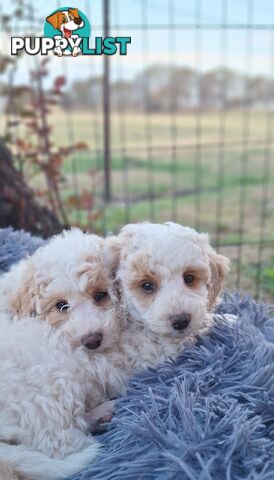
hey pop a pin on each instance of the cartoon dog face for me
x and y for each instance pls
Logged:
(66, 22)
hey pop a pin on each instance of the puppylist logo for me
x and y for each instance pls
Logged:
(67, 32)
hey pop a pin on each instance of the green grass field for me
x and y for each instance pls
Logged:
(230, 201)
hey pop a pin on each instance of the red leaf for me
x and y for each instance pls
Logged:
(59, 82)
(80, 146)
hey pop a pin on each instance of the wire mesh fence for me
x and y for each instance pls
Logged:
(180, 129)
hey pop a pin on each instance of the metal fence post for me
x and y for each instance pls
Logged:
(106, 107)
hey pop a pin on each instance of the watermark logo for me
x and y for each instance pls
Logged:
(67, 27)
(67, 32)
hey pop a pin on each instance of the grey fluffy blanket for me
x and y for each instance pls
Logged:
(210, 415)
(15, 245)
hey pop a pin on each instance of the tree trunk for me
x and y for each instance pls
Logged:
(18, 206)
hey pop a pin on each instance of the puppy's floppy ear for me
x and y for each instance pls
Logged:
(75, 12)
(23, 298)
(54, 20)
(113, 249)
(118, 247)
(219, 266)
(131, 229)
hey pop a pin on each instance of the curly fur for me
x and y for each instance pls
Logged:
(43, 401)
(137, 330)
(162, 254)
(70, 268)
(55, 379)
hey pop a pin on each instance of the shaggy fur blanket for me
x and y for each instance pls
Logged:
(15, 245)
(208, 416)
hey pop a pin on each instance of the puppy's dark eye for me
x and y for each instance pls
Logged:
(189, 279)
(63, 306)
(148, 287)
(100, 296)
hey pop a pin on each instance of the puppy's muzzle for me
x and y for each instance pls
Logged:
(78, 20)
(92, 341)
(181, 321)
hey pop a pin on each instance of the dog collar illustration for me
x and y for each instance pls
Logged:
(66, 22)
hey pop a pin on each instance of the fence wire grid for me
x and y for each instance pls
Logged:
(180, 129)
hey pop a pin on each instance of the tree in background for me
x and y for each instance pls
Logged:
(27, 149)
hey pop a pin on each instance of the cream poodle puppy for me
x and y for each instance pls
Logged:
(54, 365)
(168, 280)
(66, 278)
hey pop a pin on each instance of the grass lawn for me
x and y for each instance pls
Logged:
(219, 189)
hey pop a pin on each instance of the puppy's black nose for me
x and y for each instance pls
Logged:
(78, 20)
(180, 322)
(92, 341)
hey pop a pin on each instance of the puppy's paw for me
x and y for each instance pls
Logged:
(98, 418)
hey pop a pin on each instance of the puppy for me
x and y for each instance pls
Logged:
(168, 279)
(66, 284)
(66, 22)
(54, 365)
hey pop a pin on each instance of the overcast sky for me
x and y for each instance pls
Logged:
(204, 50)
